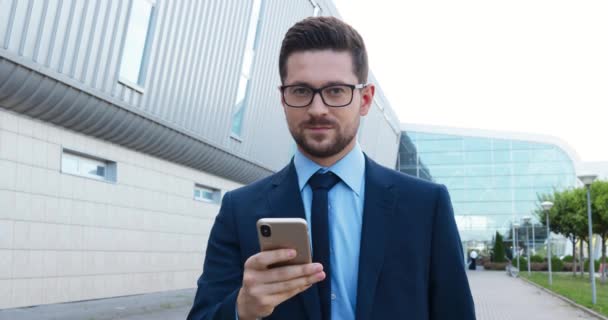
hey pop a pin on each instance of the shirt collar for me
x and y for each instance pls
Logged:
(351, 169)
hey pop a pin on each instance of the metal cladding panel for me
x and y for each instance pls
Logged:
(73, 50)
(370, 127)
(381, 129)
(79, 39)
(387, 147)
(378, 138)
(36, 95)
(265, 134)
(381, 132)
(196, 71)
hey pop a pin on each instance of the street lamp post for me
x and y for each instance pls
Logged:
(533, 241)
(513, 241)
(527, 222)
(515, 227)
(587, 180)
(547, 205)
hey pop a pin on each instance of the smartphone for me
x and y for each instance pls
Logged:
(285, 233)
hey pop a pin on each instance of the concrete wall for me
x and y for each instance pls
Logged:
(66, 238)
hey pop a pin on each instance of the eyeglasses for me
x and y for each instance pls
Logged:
(335, 95)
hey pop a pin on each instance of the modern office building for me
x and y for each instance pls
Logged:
(122, 124)
(494, 178)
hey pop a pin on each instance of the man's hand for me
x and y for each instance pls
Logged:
(263, 288)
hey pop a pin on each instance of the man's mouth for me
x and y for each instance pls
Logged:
(318, 128)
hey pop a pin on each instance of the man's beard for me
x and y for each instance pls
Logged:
(338, 143)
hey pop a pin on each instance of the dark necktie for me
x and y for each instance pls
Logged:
(320, 185)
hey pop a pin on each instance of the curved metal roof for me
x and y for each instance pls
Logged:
(27, 91)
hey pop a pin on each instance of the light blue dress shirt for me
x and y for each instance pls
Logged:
(345, 221)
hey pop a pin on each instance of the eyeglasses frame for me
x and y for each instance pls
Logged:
(318, 90)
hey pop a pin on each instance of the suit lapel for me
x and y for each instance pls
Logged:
(285, 200)
(379, 204)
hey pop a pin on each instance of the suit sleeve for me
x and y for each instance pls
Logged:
(450, 295)
(222, 275)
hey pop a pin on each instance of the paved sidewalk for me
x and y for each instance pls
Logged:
(154, 306)
(497, 297)
(500, 297)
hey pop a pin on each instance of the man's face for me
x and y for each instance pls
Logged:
(319, 130)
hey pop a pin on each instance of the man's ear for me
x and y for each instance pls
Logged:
(367, 98)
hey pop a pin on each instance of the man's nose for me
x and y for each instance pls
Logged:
(317, 106)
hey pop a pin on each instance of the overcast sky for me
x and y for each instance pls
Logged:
(524, 66)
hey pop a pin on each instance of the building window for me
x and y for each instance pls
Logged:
(246, 67)
(206, 194)
(136, 43)
(83, 165)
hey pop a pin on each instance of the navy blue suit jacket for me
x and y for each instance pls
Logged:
(411, 260)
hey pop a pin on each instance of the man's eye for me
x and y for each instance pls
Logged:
(336, 91)
(300, 91)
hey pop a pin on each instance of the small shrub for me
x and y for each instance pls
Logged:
(569, 265)
(537, 258)
(596, 265)
(568, 258)
(523, 264)
(495, 265)
(498, 252)
(556, 264)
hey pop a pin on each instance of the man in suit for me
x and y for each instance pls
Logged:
(385, 245)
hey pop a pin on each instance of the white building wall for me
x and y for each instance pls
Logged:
(66, 238)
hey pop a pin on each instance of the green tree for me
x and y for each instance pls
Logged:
(578, 203)
(568, 221)
(499, 248)
(569, 217)
(566, 216)
(599, 199)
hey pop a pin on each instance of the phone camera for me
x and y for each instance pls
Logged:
(265, 230)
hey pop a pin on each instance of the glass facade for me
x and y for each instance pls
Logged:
(492, 181)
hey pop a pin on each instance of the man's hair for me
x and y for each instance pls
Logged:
(324, 33)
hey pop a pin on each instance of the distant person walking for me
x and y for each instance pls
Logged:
(473, 258)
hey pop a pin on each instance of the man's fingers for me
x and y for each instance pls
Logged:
(262, 260)
(279, 298)
(254, 277)
(281, 274)
(265, 288)
(285, 288)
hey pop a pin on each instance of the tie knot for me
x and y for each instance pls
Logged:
(323, 180)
